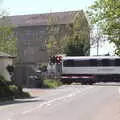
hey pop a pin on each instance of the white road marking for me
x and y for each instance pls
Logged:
(56, 99)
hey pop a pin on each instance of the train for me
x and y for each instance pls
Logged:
(90, 69)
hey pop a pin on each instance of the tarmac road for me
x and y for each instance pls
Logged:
(72, 102)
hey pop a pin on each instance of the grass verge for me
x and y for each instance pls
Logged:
(51, 83)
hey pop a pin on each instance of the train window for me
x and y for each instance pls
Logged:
(76, 63)
(117, 62)
(68, 63)
(106, 62)
(93, 62)
(82, 63)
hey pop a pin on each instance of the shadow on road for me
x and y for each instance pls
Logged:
(107, 84)
(20, 101)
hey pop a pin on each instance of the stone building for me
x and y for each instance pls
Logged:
(31, 32)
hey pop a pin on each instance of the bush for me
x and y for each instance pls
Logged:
(18, 92)
(5, 92)
(24, 95)
(2, 79)
(13, 88)
(8, 90)
(50, 83)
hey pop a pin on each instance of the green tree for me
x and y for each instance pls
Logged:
(78, 42)
(106, 15)
(7, 37)
(75, 47)
(62, 38)
(55, 38)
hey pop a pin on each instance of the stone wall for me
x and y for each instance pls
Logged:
(31, 44)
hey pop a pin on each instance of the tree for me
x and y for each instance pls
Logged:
(55, 38)
(78, 42)
(97, 38)
(106, 15)
(7, 37)
(75, 47)
(62, 38)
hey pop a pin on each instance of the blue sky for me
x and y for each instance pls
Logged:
(17, 7)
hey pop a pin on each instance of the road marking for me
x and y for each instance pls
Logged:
(57, 99)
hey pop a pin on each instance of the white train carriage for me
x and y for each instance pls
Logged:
(89, 69)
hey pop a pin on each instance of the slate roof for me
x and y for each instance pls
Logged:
(42, 19)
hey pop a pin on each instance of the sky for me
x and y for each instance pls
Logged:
(18, 7)
(23, 7)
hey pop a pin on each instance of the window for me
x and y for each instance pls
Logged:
(105, 62)
(93, 62)
(68, 63)
(76, 63)
(117, 62)
(82, 63)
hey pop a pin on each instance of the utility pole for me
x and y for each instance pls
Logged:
(97, 47)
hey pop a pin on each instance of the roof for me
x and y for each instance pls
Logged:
(42, 19)
(5, 55)
(89, 57)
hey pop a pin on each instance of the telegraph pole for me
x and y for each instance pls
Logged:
(97, 47)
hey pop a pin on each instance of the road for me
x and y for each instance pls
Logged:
(73, 102)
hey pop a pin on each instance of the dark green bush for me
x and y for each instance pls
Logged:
(24, 95)
(5, 92)
(8, 90)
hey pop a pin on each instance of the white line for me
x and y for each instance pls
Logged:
(56, 99)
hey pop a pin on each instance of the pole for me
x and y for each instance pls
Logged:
(97, 47)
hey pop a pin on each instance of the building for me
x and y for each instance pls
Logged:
(31, 32)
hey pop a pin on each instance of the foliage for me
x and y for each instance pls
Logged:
(18, 92)
(2, 79)
(50, 83)
(106, 14)
(78, 42)
(58, 40)
(9, 91)
(76, 47)
(65, 42)
(55, 41)
(14, 90)
(7, 37)
(43, 67)
(23, 95)
(5, 92)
